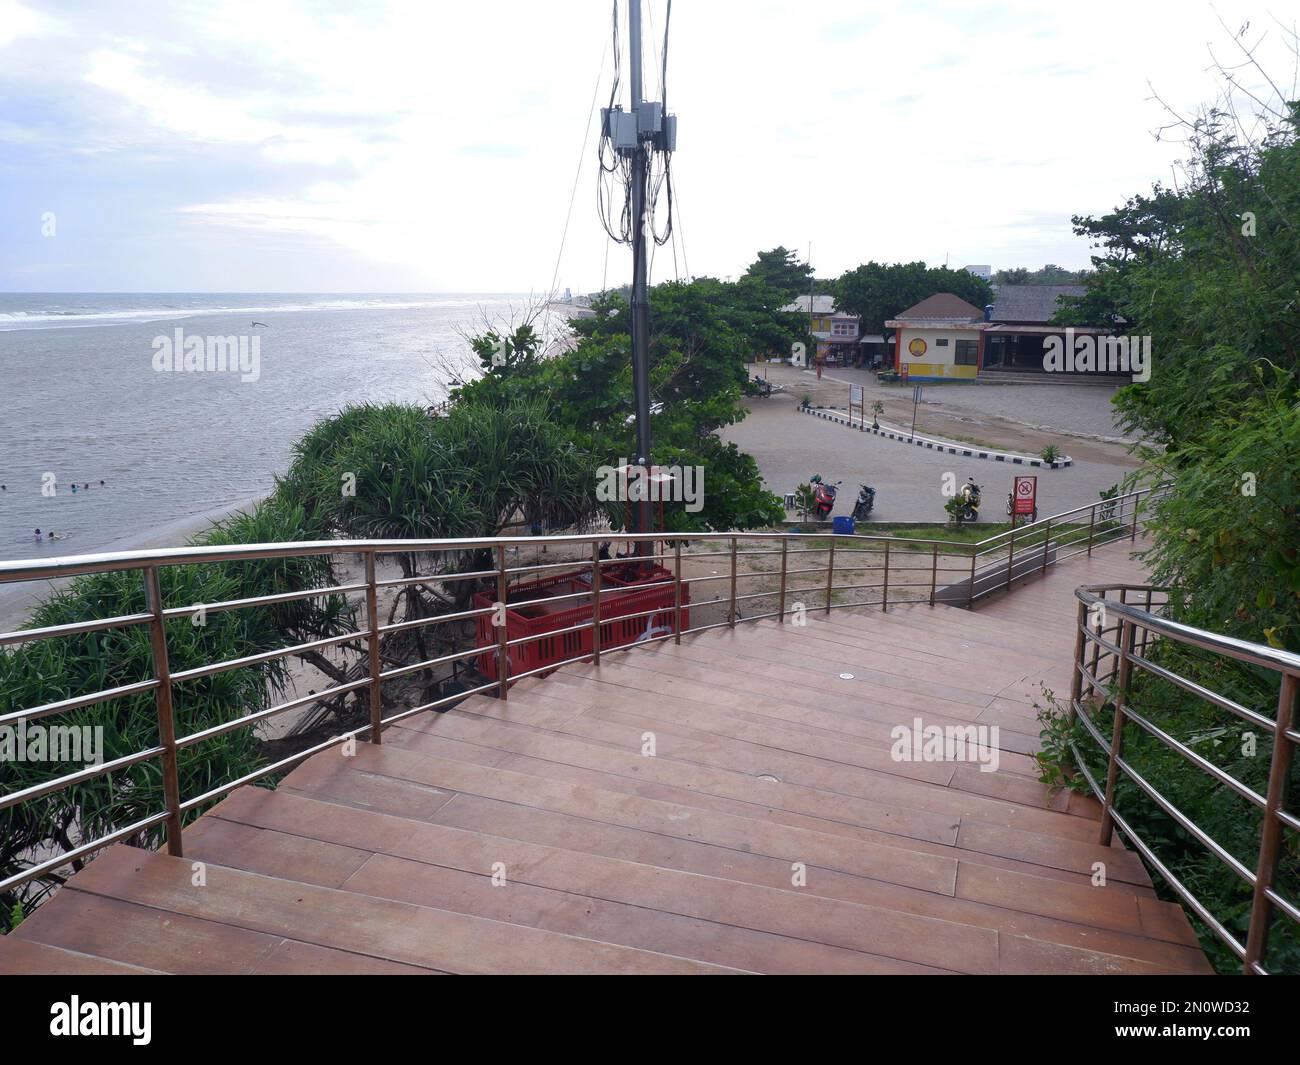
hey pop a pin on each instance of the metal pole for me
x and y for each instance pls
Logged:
(780, 610)
(677, 592)
(934, 571)
(731, 613)
(1125, 641)
(1047, 540)
(503, 630)
(884, 593)
(1011, 557)
(974, 556)
(163, 703)
(830, 576)
(1076, 680)
(1271, 837)
(640, 288)
(1092, 522)
(595, 603)
(372, 640)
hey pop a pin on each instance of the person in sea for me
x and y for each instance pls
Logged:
(38, 536)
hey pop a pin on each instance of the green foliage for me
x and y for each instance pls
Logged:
(1051, 274)
(877, 292)
(780, 269)
(1055, 756)
(1208, 271)
(61, 668)
(702, 335)
(1050, 453)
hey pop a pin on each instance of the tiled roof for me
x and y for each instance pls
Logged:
(1030, 303)
(945, 306)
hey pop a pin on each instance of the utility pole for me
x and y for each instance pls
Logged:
(640, 284)
(636, 134)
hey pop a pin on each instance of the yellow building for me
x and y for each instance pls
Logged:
(939, 339)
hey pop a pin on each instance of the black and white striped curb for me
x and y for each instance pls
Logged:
(942, 445)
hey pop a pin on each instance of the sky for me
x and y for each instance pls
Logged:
(261, 145)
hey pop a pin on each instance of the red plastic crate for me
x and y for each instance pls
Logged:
(619, 596)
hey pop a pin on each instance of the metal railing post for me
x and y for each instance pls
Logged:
(731, 612)
(595, 603)
(1011, 555)
(780, 604)
(503, 630)
(884, 591)
(830, 576)
(974, 556)
(934, 571)
(372, 641)
(1125, 643)
(1080, 643)
(677, 591)
(1092, 523)
(1271, 829)
(1047, 540)
(1134, 536)
(163, 703)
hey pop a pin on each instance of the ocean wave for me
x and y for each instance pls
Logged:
(29, 319)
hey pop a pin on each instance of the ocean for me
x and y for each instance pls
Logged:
(96, 388)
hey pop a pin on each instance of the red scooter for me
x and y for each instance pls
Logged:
(823, 496)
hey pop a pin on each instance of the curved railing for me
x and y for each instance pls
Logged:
(845, 572)
(1117, 626)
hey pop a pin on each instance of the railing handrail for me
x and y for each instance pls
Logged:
(962, 585)
(1258, 654)
(76, 565)
(1115, 690)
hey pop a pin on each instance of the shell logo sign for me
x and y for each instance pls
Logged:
(916, 347)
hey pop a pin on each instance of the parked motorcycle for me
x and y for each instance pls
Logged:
(866, 500)
(1011, 508)
(969, 496)
(823, 496)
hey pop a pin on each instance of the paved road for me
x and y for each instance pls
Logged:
(1074, 408)
(789, 447)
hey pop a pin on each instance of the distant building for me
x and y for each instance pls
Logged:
(838, 334)
(1018, 326)
(938, 339)
(944, 338)
(980, 270)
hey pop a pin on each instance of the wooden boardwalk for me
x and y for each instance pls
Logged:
(771, 831)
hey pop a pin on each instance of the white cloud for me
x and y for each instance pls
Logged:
(442, 138)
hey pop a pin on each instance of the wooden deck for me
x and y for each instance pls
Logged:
(766, 760)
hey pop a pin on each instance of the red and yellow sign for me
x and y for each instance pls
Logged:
(916, 347)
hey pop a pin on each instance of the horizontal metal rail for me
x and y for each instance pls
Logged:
(846, 557)
(1136, 626)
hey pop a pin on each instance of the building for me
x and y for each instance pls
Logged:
(944, 338)
(838, 334)
(938, 339)
(1018, 326)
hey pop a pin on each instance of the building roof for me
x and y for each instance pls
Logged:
(821, 305)
(943, 306)
(1030, 303)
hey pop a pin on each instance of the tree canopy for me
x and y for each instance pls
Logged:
(876, 292)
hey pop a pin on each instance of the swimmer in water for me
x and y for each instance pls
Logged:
(55, 536)
(74, 488)
(38, 536)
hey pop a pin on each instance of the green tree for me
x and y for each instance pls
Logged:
(876, 292)
(780, 269)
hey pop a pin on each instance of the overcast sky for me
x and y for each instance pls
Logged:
(256, 145)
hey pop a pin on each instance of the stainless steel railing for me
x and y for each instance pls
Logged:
(1117, 625)
(872, 571)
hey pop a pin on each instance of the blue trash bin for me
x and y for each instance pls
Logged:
(842, 526)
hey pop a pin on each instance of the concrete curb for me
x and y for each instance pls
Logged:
(934, 444)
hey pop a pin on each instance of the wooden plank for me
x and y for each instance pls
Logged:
(25, 957)
(380, 928)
